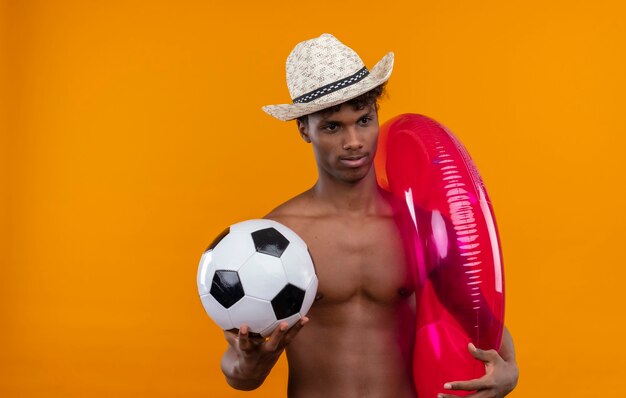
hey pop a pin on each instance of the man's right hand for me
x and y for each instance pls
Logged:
(249, 360)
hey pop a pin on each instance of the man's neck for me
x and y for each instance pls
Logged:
(361, 197)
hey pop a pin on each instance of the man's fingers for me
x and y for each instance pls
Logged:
(245, 344)
(275, 338)
(295, 329)
(469, 385)
(455, 396)
(484, 386)
(483, 355)
(282, 335)
(479, 394)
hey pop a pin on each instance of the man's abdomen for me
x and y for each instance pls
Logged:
(358, 348)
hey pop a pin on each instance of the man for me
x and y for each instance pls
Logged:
(359, 341)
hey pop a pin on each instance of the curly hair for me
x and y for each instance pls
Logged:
(358, 103)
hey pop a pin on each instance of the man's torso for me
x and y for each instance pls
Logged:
(359, 340)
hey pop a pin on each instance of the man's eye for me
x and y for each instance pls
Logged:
(365, 120)
(331, 127)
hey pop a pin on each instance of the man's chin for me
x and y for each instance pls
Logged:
(354, 177)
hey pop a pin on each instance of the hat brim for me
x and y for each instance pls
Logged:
(378, 75)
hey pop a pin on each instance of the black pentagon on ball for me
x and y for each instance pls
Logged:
(226, 288)
(270, 241)
(288, 301)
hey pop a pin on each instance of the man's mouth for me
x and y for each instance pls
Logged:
(353, 161)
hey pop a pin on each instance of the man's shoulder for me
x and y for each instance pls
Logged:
(298, 213)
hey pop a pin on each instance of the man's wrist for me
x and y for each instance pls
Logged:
(244, 384)
(246, 377)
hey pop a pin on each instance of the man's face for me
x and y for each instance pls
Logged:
(344, 142)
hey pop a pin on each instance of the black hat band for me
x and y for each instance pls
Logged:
(332, 87)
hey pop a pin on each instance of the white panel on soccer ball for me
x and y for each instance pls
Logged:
(256, 313)
(250, 226)
(298, 265)
(233, 251)
(309, 296)
(290, 321)
(262, 276)
(216, 311)
(206, 270)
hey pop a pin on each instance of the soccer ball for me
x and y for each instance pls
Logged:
(258, 273)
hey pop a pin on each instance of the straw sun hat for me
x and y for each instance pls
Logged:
(323, 72)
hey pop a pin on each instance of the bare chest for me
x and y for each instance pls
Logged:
(358, 258)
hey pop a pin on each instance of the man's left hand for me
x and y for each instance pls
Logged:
(500, 376)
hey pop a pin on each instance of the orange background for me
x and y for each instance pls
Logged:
(132, 134)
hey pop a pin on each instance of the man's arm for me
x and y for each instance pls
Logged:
(247, 362)
(507, 349)
(501, 372)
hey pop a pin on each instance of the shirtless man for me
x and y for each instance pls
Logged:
(359, 341)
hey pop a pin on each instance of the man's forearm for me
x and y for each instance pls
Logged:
(507, 349)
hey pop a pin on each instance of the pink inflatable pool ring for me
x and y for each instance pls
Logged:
(457, 261)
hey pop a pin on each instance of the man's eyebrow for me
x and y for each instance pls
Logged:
(329, 120)
(326, 118)
(367, 112)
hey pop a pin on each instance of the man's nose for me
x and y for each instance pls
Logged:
(352, 139)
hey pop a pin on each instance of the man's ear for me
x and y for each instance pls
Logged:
(303, 129)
